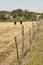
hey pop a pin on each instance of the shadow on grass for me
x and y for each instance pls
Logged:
(28, 50)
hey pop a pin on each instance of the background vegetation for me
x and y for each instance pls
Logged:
(19, 14)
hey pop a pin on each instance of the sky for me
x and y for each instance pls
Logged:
(31, 5)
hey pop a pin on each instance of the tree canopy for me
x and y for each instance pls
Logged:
(19, 14)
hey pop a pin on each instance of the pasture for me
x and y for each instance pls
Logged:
(7, 43)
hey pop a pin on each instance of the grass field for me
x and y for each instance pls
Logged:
(35, 56)
(7, 45)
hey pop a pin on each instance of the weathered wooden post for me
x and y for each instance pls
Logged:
(22, 41)
(30, 37)
(19, 63)
(33, 31)
(38, 22)
(36, 27)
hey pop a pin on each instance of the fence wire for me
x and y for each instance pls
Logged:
(7, 42)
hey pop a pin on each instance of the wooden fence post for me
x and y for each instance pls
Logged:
(19, 63)
(30, 37)
(22, 41)
(38, 23)
(32, 31)
(36, 27)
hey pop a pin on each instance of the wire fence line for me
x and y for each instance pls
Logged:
(21, 42)
(27, 38)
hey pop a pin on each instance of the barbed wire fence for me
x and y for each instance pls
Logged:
(27, 37)
(21, 42)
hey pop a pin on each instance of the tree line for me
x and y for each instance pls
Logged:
(19, 14)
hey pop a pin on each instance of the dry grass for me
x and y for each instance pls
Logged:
(7, 47)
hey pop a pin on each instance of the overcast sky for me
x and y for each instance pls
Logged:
(32, 5)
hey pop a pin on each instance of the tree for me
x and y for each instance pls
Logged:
(29, 15)
(2, 16)
(13, 13)
(19, 12)
(42, 15)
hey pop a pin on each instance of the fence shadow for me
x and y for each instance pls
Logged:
(28, 50)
